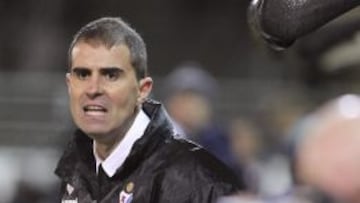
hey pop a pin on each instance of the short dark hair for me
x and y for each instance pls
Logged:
(113, 31)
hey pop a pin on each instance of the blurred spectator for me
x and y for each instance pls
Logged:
(279, 112)
(277, 117)
(266, 174)
(328, 151)
(286, 198)
(246, 145)
(189, 94)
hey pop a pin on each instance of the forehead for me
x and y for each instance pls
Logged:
(85, 54)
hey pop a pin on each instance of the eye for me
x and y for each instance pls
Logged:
(111, 74)
(81, 74)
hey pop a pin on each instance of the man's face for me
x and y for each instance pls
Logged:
(104, 91)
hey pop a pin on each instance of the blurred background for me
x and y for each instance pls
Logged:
(252, 98)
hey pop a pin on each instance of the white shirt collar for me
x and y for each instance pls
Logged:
(122, 150)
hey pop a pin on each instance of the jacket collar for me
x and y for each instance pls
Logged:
(79, 156)
(121, 151)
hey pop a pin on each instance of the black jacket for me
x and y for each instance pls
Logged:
(159, 169)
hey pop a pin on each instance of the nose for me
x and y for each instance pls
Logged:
(94, 88)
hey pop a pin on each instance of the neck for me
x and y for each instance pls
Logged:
(104, 147)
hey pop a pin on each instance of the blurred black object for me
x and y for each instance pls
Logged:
(282, 22)
(27, 193)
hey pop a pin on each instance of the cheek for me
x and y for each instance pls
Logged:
(74, 98)
(124, 97)
(74, 94)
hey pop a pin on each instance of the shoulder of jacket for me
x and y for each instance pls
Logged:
(183, 154)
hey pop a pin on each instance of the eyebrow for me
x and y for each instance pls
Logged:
(111, 69)
(77, 69)
(102, 70)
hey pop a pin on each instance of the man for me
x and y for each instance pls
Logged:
(125, 149)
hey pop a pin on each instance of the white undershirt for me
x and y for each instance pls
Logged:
(122, 150)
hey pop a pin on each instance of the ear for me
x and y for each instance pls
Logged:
(145, 89)
(68, 81)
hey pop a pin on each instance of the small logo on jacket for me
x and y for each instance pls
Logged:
(68, 198)
(69, 189)
(126, 195)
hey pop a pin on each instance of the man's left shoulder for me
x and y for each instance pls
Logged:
(196, 173)
(196, 161)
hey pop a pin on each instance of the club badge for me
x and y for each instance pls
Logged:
(126, 195)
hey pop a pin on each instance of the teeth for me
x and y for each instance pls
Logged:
(94, 108)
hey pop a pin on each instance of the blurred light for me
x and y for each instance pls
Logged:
(345, 54)
(349, 106)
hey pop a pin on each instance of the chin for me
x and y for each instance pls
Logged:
(92, 126)
(94, 131)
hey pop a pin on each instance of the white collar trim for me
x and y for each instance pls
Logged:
(122, 150)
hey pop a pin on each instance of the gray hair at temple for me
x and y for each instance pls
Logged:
(113, 31)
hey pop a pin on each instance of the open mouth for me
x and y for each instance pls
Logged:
(94, 110)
